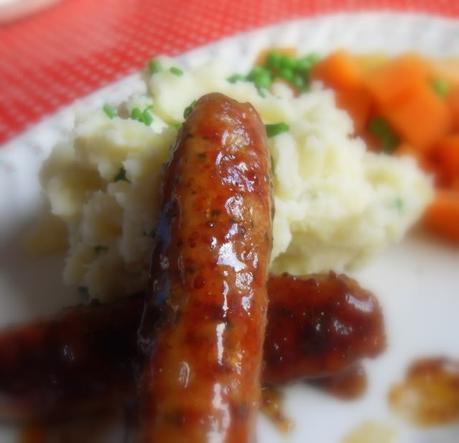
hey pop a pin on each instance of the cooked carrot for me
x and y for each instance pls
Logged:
(391, 81)
(447, 69)
(445, 155)
(453, 102)
(358, 104)
(421, 117)
(340, 70)
(403, 91)
(371, 60)
(442, 216)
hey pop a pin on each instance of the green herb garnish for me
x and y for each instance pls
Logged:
(236, 78)
(176, 71)
(294, 71)
(386, 137)
(110, 111)
(98, 249)
(144, 116)
(147, 117)
(121, 176)
(440, 86)
(154, 66)
(189, 109)
(276, 128)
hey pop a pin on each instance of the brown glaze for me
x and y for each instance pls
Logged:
(429, 395)
(31, 356)
(339, 324)
(349, 384)
(50, 366)
(33, 434)
(209, 273)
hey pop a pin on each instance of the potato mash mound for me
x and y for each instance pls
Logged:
(336, 204)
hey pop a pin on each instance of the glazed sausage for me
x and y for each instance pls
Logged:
(60, 367)
(209, 272)
(38, 380)
(339, 323)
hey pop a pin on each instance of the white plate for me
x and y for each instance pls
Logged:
(416, 281)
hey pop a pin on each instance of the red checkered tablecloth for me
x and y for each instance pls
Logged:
(77, 46)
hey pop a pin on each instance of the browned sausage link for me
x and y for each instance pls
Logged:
(51, 368)
(210, 267)
(38, 380)
(338, 324)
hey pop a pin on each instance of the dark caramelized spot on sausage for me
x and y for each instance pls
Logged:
(429, 394)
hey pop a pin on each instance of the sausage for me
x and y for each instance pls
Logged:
(209, 272)
(339, 323)
(54, 368)
(38, 381)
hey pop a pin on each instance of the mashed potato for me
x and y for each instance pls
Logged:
(335, 203)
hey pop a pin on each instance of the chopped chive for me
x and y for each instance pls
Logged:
(273, 60)
(287, 62)
(308, 61)
(189, 109)
(121, 175)
(144, 116)
(295, 71)
(147, 117)
(387, 138)
(276, 128)
(136, 114)
(286, 74)
(176, 71)
(440, 86)
(176, 125)
(236, 78)
(110, 111)
(260, 76)
(154, 66)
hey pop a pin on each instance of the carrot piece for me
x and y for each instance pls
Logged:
(358, 104)
(391, 81)
(445, 155)
(404, 95)
(448, 69)
(421, 118)
(453, 102)
(442, 216)
(339, 70)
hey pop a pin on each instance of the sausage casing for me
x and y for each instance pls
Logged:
(209, 273)
(85, 358)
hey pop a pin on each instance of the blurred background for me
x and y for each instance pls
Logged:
(54, 51)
